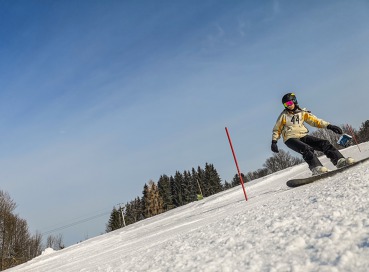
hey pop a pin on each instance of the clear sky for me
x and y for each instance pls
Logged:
(99, 97)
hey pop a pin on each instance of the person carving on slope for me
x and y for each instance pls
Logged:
(290, 125)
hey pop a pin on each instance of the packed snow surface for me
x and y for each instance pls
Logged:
(323, 226)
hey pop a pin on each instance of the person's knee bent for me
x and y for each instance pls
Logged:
(326, 146)
(308, 154)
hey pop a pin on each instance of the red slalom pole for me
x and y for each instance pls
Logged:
(235, 160)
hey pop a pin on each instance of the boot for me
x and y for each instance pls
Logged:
(319, 170)
(344, 162)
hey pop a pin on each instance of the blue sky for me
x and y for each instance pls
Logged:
(99, 97)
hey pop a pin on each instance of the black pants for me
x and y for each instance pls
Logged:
(306, 146)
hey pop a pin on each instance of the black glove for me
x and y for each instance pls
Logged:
(274, 146)
(335, 129)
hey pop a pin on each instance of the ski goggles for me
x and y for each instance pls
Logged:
(288, 103)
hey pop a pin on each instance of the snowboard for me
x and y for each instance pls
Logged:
(303, 181)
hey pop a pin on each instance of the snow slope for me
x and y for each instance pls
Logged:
(323, 226)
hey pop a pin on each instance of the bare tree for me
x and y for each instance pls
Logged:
(16, 244)
(55, 242)
(281, 161)
(328, 135)
(7, 206)
(364, 132)
(35, 246)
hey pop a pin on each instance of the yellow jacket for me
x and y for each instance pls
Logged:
(291, 124)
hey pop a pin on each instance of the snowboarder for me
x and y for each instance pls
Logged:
(290, 125)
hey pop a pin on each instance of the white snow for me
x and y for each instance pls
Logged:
(323, 226)
(47, 251)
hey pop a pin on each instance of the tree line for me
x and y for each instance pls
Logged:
(17, 245)
(170, 192)
(167, 193)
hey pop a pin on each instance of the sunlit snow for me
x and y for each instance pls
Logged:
(323, 226)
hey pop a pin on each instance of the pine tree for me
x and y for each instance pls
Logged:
(202, 181)
(175, 192)
(213, 180)
(115, 221)
(189, 193)
(133, 211)
(165, 192)
(236, 180)
(129, 213)
(179, 184)
(137, 210)
(195, 180)
(227, 185)
(145, 202)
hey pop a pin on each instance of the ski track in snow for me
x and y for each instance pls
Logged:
(323, 226)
